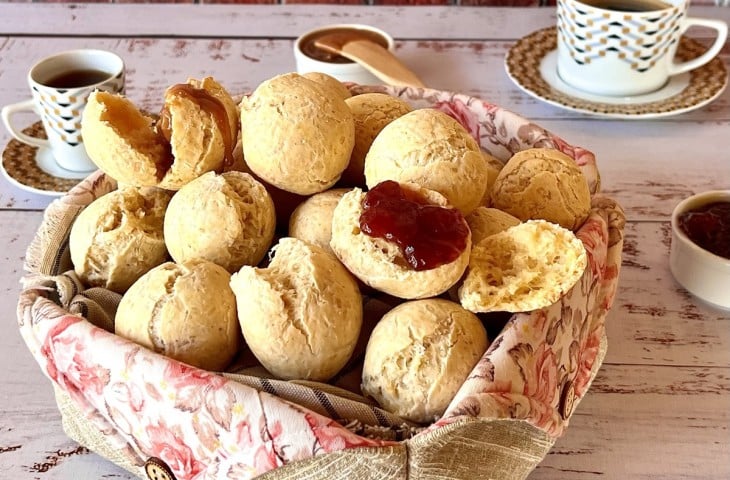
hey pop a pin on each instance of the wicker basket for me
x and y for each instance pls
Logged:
(155, 416)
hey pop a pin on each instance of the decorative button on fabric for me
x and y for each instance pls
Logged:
(156, 469)
(567, 400)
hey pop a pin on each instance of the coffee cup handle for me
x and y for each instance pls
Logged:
(720, 27)
(9, 110)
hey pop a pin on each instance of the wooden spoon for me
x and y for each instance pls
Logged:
(378, 60)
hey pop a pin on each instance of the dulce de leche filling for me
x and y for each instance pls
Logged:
(343, 35)
(206, 102)
(427, 235)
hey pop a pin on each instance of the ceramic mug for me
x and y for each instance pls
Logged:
(308, 59)
(626, 47)
(60, 86)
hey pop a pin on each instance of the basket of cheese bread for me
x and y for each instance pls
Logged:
(320, 280)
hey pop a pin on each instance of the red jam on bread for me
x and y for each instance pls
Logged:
(428, 235)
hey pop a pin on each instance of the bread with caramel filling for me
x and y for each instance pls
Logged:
(196, 133)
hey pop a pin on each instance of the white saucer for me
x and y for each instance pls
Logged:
(549, 73)
(531, 64)
(34, 169)
(46, 162)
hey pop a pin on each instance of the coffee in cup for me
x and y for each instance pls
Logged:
(626, 47)
(629, 5)
(60, 85)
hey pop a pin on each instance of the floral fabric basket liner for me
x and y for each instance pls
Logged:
(131, 405)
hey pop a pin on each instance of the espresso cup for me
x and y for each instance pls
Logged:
(626, 47)
(309, 58)
(60, 86)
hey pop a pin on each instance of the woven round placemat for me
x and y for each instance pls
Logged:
(19, 163)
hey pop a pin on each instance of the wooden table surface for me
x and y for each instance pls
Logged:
(660, 406)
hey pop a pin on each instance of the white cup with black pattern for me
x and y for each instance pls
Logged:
(626, 47)
(60, 86)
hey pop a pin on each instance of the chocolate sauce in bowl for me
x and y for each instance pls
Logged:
(708, 226)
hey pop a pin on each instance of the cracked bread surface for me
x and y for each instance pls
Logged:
(169, 310)
(119, 237)
(198, 145)
(545, 184)
(228, 219)
(121, 141)
(301, 316)
(419, 355)
(128, 145)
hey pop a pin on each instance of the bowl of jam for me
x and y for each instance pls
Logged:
(699, 257)
(310, 58)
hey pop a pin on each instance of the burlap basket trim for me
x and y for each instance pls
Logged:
(469, 448)
(139, 404)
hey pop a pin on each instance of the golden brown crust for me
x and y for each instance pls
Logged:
(494, 166)
(168, 310)
(227, 219)
(485, 221)
(119, 237)
(121, 141)
(301, 316)
(134, 149)
(199, 143)
(336, 87)
(296, 135)
(371, 112)
(301, 309)
(431, 149)
(419, 355)
(543, 183)
(311, 221)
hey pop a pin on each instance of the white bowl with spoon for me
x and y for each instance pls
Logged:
(352, 53)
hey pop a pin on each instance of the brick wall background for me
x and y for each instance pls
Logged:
(494, 3)
(485, 3)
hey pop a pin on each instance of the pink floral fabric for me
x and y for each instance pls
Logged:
(199, 423)
(526, 368)
(206, 426)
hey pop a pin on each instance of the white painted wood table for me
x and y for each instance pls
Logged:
(660, 406)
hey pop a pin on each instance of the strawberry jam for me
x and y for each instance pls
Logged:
(428, 235)
(709, 227)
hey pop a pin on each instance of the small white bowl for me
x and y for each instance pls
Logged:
(704, 274)
(344, 72)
